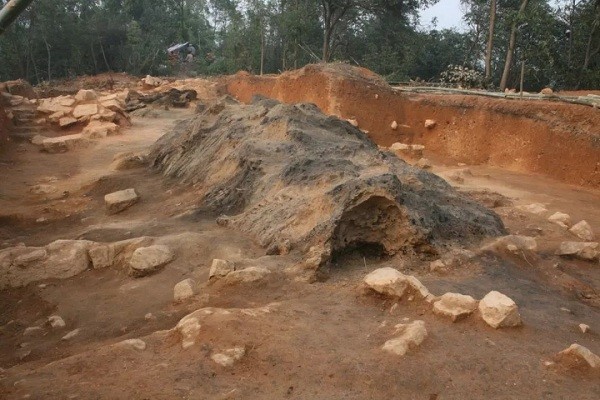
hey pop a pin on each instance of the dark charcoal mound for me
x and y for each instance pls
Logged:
(291, 176)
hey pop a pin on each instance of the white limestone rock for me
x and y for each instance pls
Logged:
(391, 282)
(71, 334)
(499, 311)
(583, 250)
(579, 355)
(136, 344)
(455, 306)
(184, 290)
(583, 230)
(410, 336)
(120, 201)
(228, 357)
(247, 275)
(561, 219)
(220, 268)
(147, 260)
(56, 321)
(86, 95)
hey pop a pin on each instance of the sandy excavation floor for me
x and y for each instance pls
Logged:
(301, 340)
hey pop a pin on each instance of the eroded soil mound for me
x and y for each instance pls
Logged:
(558, 140)
(294, 178)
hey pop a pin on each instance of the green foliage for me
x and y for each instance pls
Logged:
(58, 38)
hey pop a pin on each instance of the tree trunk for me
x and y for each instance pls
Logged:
(588, 49)
(511, 46)
(490, 43)
(11, 11)
(262, 51)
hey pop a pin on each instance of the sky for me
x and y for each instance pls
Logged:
(448, 13)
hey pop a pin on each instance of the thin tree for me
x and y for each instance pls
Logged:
(333, 12)
(511, 45)
(490, 41)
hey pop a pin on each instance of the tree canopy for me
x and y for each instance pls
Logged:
(558, 45)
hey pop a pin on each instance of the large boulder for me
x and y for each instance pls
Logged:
(291, 174)
(62, 144)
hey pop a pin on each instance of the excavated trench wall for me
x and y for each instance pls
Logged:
(558, 140)
(4, 122)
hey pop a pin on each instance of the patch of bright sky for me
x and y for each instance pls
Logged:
(449, 14)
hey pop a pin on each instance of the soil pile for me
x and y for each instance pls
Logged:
(520, 135)
(295, 178)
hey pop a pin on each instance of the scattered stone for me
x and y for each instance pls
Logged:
(228, 357)
(547, 91)
(560, 219)
(120, 201)
(125, 161)
(189, 329)
(220, 268)
(454, 305)
(184, 290)
(394, 125)
(102, 256)
(577, 355)
(520, 242)
(136, 344)
(353, 122)
(424, 163)
(62, 144)
(499, 311)
(43, 189)
(430, 123)
(437, 266)
(391, 282)
(152, 81)
(583, 250)
(399, 147)
(535, 208)
(147, 260)
(512, 248)
(86, 95)
(66, 122)
(411, 336)
(247, 275)
(32, 330)
(99, 129)
(56, 321)
(85, 110)
(584, 328)
(582, 230)
(71, 334)
(38, 140)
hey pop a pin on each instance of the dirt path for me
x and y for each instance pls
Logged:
(320, 340)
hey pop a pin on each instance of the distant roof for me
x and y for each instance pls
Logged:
(177, 47)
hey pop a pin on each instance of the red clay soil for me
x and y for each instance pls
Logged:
(561, 141)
